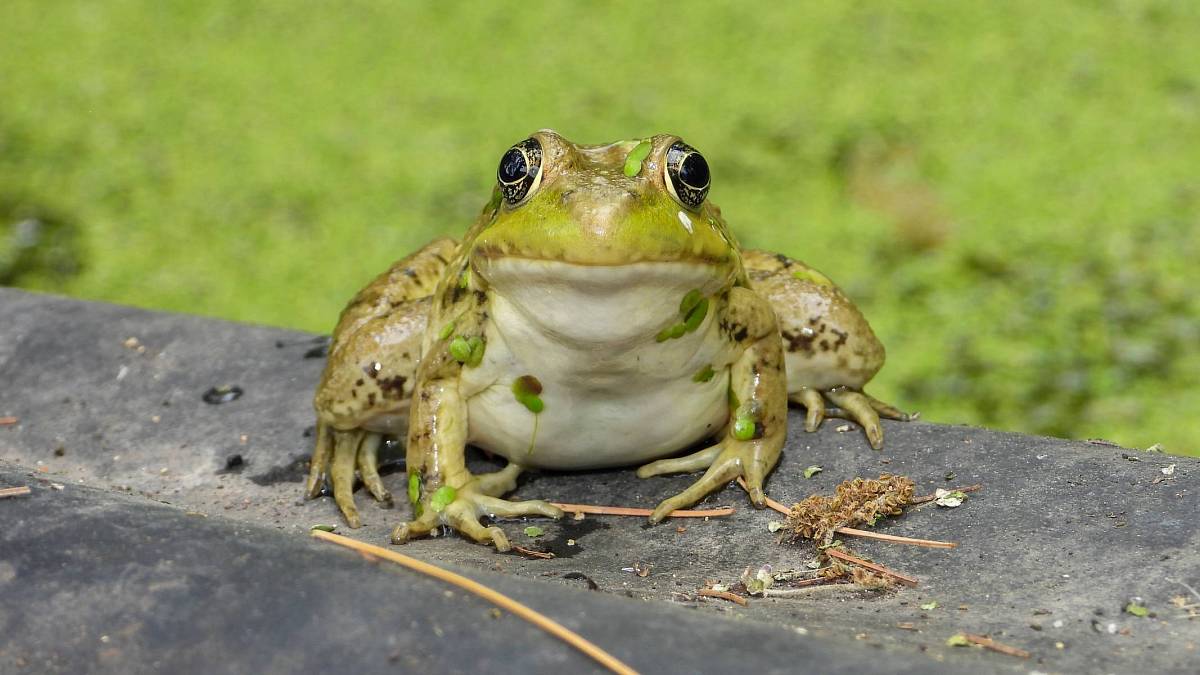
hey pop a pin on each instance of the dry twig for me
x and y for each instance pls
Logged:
(895, 538)
(874, 567)
(8, 421)
(18, 491)
(724, 595)
(632, 511)
(500, 600)
(544, 555)
(989, 643)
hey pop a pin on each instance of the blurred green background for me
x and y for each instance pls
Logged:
(1010, 191)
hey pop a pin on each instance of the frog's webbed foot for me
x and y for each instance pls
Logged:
(462, 507)
(724, 462)
(849, 404)
(338, 454)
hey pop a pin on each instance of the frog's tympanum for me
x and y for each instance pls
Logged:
(598, 313)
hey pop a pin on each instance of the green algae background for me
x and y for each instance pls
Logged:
(1010, 191)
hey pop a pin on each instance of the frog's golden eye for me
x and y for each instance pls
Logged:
(686, 174)
(520, 171)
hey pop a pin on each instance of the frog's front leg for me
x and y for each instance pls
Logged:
(440, 488)
(753, 439)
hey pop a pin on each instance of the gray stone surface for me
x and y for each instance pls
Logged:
(159, 553)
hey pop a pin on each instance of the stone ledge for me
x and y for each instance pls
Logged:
(1062, 527)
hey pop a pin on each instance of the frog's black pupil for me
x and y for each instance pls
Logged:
(512, 166)
(693, 171)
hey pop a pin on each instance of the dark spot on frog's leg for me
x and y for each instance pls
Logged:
(824, 344)
(741, 333)
(410, 272)
(441, 259)
(799, 340)
(359, 382)
(393, 387)
(353, 393)
(841, 339)
(371, 398)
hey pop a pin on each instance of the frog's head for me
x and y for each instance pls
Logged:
(626, 202)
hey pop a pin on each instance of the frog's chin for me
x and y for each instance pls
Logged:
(612, 305)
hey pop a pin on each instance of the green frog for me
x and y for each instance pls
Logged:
(598, 313)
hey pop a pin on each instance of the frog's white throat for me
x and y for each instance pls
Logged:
(604, 306)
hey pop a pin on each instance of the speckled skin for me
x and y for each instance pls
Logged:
(570, 297)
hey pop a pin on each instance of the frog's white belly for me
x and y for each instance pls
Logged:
(612, 394)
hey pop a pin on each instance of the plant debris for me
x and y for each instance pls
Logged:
(724, 595)
(963, 639)
(857, 501)
(949, 498)
(528, 552)
(933, 497)
(1136, 608)
(534, 531)
(812, 471)
(19, 491)
(8, 421)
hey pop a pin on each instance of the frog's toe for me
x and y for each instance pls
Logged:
(318, 464)
(368, 467)
(341, 473)
(889, 411)
(857, 407)
(420, 527)
(502, 508)
(814, 407)
(462, 516)
(725, 468)
(686, 464)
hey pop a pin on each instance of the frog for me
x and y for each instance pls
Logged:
(599, 312)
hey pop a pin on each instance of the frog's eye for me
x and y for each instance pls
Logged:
(686, 174)
(520, 171)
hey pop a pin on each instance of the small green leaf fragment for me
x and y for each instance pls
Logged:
(932, 604)
(812, 471)
(696, 316)
(774, 526)
(663, 335)
(1136, 609)
(678, 330)
(534, 531)
(689, 301)
(446, 331)
(442, 497)
(460, 349)
(958, 640)
(743, 428)
(526, 390)
(324, 528)
(810, 275)
(706, 374)
(414, 488)
(633, 161)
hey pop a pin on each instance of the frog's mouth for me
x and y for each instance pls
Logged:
(595, 304)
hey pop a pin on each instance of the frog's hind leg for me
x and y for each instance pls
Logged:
(830, 351)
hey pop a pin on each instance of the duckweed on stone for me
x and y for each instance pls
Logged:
(446, 331)
(705, 374)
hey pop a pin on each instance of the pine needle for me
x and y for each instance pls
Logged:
(631, 511)
(874, 567)
(18, 491)
(724, 595)
(496, 598)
